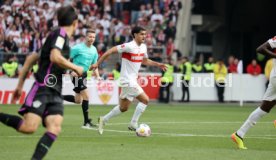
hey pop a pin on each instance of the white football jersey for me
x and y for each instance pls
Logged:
(272, 43)
(132, 58)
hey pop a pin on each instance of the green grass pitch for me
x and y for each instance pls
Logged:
(180, 132)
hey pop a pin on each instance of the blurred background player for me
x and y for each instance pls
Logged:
(269, 99)
(133, 54)
(44, 101)
(84, 55)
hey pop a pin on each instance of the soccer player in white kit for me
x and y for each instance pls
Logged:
(133, 54)
(269, 99)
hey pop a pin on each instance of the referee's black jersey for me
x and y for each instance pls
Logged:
(49, 75)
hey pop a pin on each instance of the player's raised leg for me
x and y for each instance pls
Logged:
(27, 125)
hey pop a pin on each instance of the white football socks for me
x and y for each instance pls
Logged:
(113, 113)
(140, 108)
(251, 121)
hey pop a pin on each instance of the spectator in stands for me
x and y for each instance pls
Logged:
(268, 67)
(149, 10)
(135, 8)
(209, 66)
(157, 17)
(220, 71)
(197, 66)
(126, 34)
(142, 11)
(239, 65)
(38, 17)
(170, 31)
(10, 67)
(254, 68)
(232, 67)
(36, 43)
(10, 45)
(170, 48)
(161, 37)
(175, 5)
(118, 8)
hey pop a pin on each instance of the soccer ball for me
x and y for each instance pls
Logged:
(143, 130)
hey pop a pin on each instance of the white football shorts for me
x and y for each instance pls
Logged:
(130, 92)
(270, 93)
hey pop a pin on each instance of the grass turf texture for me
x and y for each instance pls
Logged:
(189, 131)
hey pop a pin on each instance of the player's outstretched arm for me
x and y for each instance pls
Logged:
(29, 62)
(58, 59)
(266, 49)
(103, 57)
(149, 62)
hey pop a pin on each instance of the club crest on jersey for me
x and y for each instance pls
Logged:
(36, 104)
(122, 46)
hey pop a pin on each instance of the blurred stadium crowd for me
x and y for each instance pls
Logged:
(25, 25)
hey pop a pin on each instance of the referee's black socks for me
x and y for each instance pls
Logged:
(85, 112)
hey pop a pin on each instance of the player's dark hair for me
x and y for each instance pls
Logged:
(66, 15)
(136, 30)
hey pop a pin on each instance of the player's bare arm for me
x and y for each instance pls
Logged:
(58, 59)
(97, 74)
(104, 56)
(29, 62)
(149, 62)
(266, 49)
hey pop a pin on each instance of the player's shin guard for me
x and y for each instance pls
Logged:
(11, 120)
(85, 112)
(44, 145)
(69, 98)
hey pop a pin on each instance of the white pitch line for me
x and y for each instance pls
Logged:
(269, 137)
(201, 122)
